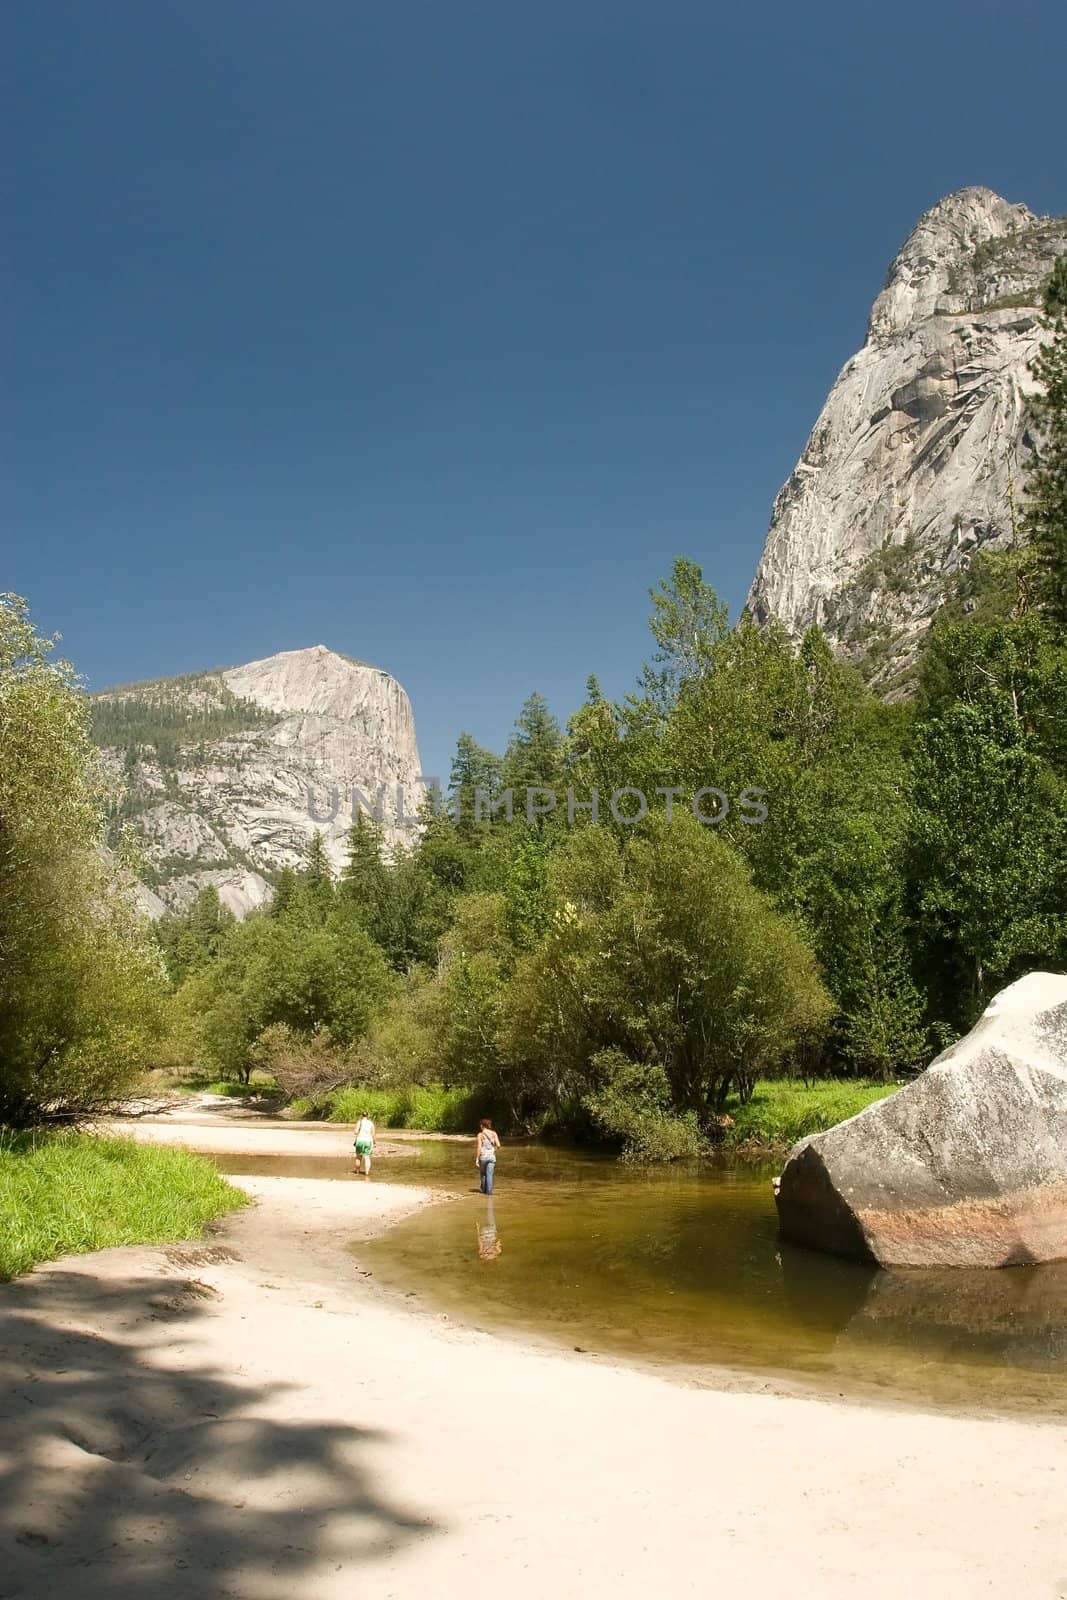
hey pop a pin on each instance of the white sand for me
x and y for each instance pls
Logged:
(236, 1419)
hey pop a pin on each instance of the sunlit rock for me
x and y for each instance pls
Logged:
(965, 1166)
(911, 464)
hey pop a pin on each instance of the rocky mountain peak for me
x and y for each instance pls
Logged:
(910, 467)
(315, 680)
(924, 275)
(225, 776)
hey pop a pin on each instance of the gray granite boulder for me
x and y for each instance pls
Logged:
(966, 1166)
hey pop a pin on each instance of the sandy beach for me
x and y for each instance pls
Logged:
(246, 1416)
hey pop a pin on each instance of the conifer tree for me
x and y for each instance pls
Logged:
(364, 874)
(1045, 519)
(535, 751)
(473, 769)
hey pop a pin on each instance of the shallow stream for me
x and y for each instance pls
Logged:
(683, 1267)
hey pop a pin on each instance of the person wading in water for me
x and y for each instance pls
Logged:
(486, 1146)
(364, 1142)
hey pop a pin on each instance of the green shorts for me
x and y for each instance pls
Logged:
(363, 1147)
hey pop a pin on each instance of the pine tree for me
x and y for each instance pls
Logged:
(316, 880)
(364, 875)
(535, 752)
(1045, 519)
(284, 890)
(473, 769)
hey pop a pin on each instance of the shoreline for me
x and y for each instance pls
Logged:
(240, 1138)
(234, 1417)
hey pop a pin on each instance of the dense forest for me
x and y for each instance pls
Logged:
(783, 874)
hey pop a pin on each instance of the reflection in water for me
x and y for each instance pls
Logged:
(685, 1266)
(489, 1245)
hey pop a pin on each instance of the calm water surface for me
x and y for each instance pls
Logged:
(684, 1267)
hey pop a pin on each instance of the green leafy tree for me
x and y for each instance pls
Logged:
(364, 878)
(316, 879)
(988, 862)
(309, 977)
(688, 622)
(81, 982)
(664, 950)
(189, 940)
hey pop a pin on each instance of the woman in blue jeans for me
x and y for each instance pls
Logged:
(486, 1147)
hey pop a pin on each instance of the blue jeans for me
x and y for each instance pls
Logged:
(487, 1168)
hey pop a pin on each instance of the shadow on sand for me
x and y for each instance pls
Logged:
(122, 1478)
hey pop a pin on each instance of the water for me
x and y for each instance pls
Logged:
(683, 1268)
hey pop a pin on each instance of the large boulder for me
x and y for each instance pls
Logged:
(964, 1167)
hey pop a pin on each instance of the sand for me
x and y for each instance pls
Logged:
(247, 1416)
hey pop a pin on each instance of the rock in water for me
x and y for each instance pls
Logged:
(964, 1167)
(910, 465)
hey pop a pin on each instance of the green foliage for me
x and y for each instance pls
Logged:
(888, 569)
(629, 1104)
(172, 718)
(307, 974)
(81, 985)
(1045, 519)
(68, 1193)
(476, 774)
(665, 951)
(192, 940)
(988, 860)
(688, 622)
(781, 1112)
(429, 1107)
(534, 756)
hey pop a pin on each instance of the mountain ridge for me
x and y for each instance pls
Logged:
(224, 776)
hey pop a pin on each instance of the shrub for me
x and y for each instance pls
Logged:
(310, 1065)
(630, 1104)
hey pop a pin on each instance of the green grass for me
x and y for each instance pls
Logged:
(62, 1194)
(240, 1091)
(261, 1083)
(782, 1112)
(430, 1108)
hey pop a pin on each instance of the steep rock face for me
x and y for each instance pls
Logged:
(964, 1167)
(214, 771)
(910, 465)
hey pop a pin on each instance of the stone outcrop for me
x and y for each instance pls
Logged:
(213, 771)
(965, 1166)
(911, 464)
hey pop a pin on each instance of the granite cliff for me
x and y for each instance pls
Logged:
(923, 442)
(213, 771)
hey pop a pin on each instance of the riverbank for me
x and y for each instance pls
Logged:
(779, 1112)
(66, 1192)
(246, 1416)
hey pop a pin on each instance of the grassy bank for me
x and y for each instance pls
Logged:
(63, 1194)
(430, 1108)
(778, 1114)
(782, 1112)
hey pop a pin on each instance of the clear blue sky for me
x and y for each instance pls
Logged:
(432, 332)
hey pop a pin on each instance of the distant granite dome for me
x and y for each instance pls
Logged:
(910, 465)
(215, 768)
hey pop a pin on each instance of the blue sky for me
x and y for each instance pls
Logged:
(432, 332)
